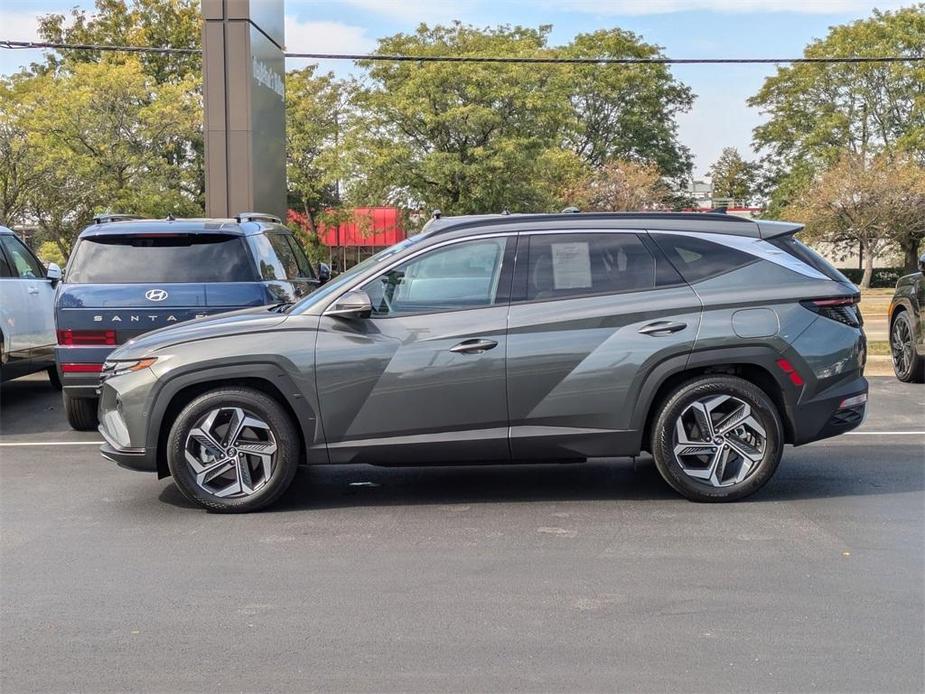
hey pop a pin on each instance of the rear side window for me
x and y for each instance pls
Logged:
(4, 265)
(807, 255)
(305, 268)
(161, 258)
(564, 265)
(697, 259)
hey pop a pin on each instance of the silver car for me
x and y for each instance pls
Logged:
(708, 340)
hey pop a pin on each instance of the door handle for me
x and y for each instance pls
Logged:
(33, 290)
(661, 328)
(474, 346)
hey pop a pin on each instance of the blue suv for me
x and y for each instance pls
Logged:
(127, 276)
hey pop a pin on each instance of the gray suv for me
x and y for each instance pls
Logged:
(708, 340)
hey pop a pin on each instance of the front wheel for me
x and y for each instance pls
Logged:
(717, 438)
(81, 412)
(233, 450)
(907, 365)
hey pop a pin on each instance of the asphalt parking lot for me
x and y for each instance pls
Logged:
(530, 578)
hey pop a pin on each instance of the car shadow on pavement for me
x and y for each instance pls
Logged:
(809, 473)
(27, 404)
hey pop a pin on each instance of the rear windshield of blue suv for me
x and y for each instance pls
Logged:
(176, 258)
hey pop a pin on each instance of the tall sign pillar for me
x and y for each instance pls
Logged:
(244, 73)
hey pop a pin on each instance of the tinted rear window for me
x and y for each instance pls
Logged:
(143, 259)
(697, 259)
(808, 256)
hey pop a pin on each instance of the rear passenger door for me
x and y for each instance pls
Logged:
(592, 314)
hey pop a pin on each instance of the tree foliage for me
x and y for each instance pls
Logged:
(865, 202)
(619, 186)
(818, 111)
(477, 137)
(733, 177)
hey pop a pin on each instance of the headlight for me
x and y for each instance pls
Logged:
(117, 368)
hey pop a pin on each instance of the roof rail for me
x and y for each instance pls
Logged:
(107, 218)
(257, 217)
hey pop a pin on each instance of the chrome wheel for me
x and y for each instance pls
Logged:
(231, 452)
(901, 346)
(718, 441)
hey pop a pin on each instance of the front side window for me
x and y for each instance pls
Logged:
(564, 265)
(463, 275)
(147, 258)
(284, 252)
(23, 263)
(305, 267)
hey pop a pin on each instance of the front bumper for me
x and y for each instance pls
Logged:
(129, 458)
(123, 418)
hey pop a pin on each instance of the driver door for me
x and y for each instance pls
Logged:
(423, 378)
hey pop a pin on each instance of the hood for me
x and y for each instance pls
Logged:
(221, 325)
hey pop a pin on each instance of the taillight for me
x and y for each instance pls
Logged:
(843, 309)
(80, 338)
(789, 369)
(81, 368)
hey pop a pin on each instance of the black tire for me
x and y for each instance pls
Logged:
(663, 437)
(53, 377)
(262, 406)
(909, 367)
(81, 412)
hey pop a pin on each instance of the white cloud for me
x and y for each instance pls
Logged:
(645, 7)
(414, 11)
(325, 37)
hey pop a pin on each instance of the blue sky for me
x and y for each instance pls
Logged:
(685, 28)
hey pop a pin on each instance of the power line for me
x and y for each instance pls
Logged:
(549, 60)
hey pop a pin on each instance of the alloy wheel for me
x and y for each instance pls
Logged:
(901, 346)
(231, 452)
(718, 441)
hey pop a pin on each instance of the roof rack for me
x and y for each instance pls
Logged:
(107, 218)
(257, 217)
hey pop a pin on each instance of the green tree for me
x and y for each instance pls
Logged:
(167, 23)
(317, 111)
(476, 137)
(819, 111)
(733, 177)
(97, 154)
(622, 112)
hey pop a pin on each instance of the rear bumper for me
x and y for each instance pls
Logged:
(81, 385)
(824, 416)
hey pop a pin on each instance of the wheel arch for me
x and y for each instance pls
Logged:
(755, 365)
(175, 393)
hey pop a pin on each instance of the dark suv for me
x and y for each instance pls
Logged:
(127, 276)
(709, 340)
(907, 326)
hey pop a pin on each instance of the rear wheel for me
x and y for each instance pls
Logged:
(717, 438)
(233, 450)
(81, 412)
(907, 365)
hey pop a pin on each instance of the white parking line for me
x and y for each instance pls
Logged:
(13, 444)
(885, 433)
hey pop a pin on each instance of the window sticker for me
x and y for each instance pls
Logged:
(571, 265)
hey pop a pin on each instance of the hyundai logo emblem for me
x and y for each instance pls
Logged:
(156, 294)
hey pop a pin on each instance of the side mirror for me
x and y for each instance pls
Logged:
(324, 273)
(922, 263)
(53, 274)
(355, 304)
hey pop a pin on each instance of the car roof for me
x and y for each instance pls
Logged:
(226, 227)
(706, 222)
(6, 230)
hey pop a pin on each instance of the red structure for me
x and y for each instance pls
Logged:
(370, 227)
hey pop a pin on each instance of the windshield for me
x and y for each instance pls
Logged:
(161, 258)
(347, 276)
